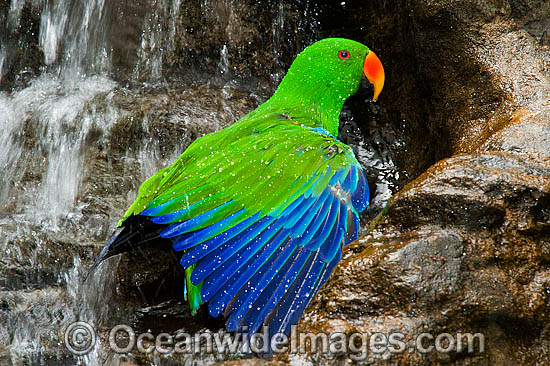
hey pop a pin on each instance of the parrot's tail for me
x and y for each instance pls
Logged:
(136, 233)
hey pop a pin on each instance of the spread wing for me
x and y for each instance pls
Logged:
(260, 211)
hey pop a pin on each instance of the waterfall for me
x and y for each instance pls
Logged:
(45, 128)
(56, 104)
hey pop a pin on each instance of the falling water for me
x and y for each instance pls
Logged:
(15, 13)
(157, 39)
(51, 129)
(2, 59)
(70, 47)
(224, 61)
(45, 131)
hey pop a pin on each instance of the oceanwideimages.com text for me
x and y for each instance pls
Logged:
(80, 338)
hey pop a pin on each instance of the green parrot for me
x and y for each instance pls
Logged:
(261, 210)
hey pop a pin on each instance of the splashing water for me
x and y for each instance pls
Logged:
(62, 118)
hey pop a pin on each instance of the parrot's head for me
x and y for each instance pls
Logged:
(333, 68)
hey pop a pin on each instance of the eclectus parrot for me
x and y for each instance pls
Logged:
(261, 210)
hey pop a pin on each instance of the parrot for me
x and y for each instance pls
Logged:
(260, 210)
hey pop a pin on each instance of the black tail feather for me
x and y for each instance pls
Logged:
(136, 232)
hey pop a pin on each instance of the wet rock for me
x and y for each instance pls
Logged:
(465, 248)
(527, 132)
(223, 39)
(20, 55)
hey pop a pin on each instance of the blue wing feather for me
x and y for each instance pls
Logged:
(301, 226)
(300, 212)
(194, 238)
(265, 269)
(222, 254)
(222, 297)
(360, 196)
(297, 298)
(179, 228)
(321, 236)
(270, 298)
(330, 246)
(198, 252)
(339, 177)
(267, 274)
(316, 224)
(221, 275)
(283, 319)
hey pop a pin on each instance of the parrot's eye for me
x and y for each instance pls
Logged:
(343, 54)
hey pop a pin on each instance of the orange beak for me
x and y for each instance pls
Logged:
(373, 70)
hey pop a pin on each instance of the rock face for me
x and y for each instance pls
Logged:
(465, 247)
(461, 136)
